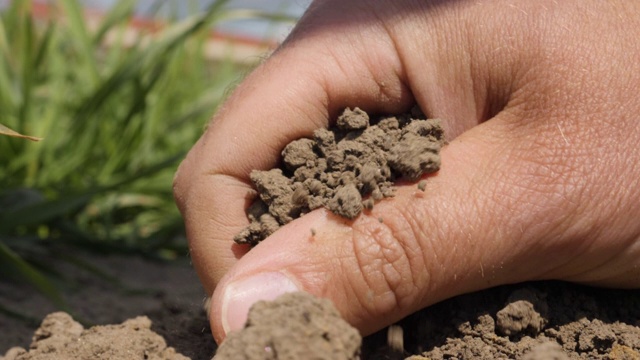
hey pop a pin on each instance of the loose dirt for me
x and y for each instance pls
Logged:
(545, 320)
(534, 321)
(345, 169)
(117, 288)
(294, 326)
(61, 337)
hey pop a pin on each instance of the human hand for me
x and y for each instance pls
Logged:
(539, 180)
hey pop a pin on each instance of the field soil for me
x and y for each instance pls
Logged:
(118, 289)
(135, 308)
(154, 311)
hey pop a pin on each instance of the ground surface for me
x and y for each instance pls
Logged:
(168, 293)
(585, 322)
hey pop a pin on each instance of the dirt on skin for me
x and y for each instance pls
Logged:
(345, 169)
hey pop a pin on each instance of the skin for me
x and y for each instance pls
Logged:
(539, 181)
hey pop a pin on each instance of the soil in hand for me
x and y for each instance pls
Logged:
(345, 169)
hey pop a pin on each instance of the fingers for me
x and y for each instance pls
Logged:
(518, 197)
(306, 82)
(413, 250)
(290, 95)
(509, 203)
(298, 89)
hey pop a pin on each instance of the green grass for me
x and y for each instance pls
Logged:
(115, 121)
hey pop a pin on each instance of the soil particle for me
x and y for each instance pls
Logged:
(519, 317)
(294, 326)
(298, 153)
(522, 314)
(61, 337)
(347, 202)
(412, 157)
(596, 337)
(346, 169)
(355, 119)
(395, 338)
(622, 352)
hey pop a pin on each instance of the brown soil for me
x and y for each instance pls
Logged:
(346, 169)
(530, 321)
(294, 326)
(117, 288)
(62, 337)
(297, 326)
(337, 169)
(544, 320)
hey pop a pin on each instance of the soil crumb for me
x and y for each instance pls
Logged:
(294, 326)
(346, 168)
(60, 337)
(521, 315)
(546, 320)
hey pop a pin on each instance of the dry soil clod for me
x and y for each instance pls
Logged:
(61, 337)
(293, 326)
(346, 169)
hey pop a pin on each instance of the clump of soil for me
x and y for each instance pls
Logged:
(61, 337)
(546, 320)
(525, 313)
(345, 169)
(294, 326)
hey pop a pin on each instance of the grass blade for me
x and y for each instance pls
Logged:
(145, 58)
(16, 265)
(45, 211)
(6, 131)
(81, 36)
(42, 212)
(119, 13)
(42, 49)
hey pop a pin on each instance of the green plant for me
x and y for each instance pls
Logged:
(116, 117)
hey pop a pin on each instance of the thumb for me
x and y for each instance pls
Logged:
(409, 252)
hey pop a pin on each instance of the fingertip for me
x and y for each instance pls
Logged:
(278, 265)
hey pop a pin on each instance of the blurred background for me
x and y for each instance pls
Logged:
(119, 90)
